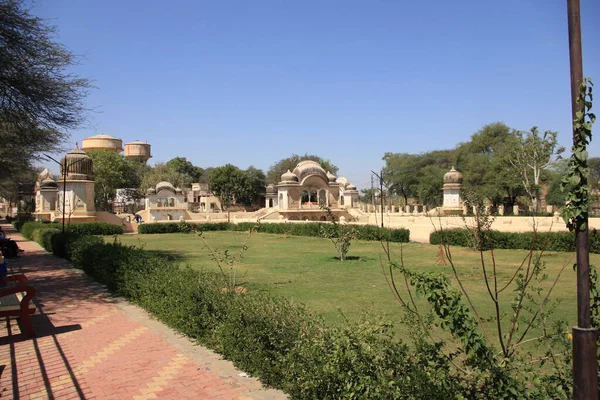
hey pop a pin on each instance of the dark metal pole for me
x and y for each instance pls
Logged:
(585, 365)
(381, 195)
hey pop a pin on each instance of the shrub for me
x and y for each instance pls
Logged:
(549, 241)
(44, 236)
(27, 228)
(95, 228)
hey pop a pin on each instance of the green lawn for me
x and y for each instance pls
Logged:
(306, 270)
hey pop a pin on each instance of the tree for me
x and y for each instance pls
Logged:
(400, 174)
(185, 167)
(529, 154)
(257, 182)
(112, 171)
(162, 173)
(230, 184)
(40, 99)
(483, 163)
(281, 167)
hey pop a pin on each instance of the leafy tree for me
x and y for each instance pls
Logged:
(161, 172)
(112, 171)
(185, 167)
(40, 99)
(594, 179)
(401, 174)
(529, 154)
(230, 184)
(257, 182)
(483, 162)
(280, 167)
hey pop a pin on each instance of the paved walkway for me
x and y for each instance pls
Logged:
(91, 345)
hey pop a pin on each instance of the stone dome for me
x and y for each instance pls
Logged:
(178, 190)
(77, 165)
(45, 174)
(48, 183)
(164, 185)
(453, 177)
(350, 186)
(151, 191)
(307, 168)
(289, 177)
(331, 177)
(271, 189)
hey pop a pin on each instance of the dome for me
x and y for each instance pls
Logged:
(77, 164)
(178, 190)
(151, 191)
(164, 185)
(271, 189)
(45, 174)
(453, 177)
(289, 177)
(307, 168)
(48, 183)
(331, 177)
(350, 186)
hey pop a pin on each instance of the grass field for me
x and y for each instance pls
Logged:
(307, 270)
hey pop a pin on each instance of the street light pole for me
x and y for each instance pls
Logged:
(380, 176)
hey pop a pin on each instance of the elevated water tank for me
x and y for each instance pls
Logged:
(102, 142)
(138, 151)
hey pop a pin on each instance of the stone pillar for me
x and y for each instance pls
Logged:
(465, 209)
(488, 210)
(407, 209)
(416, 210)
(549, 209)
(515, 210)
(424, 209)
(501, 209)
(266, 202)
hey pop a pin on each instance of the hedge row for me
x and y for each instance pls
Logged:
(272, 338)
(77, 229)
(548, 241)
(365, 232)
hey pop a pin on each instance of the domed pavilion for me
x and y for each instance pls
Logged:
(453, 204)
(302, 193)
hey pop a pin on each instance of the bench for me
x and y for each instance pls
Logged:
(15, 301)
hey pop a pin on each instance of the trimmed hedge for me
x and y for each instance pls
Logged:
(77, 229)
(365, 232)
(272, 338)
(44, 237)
(548, 241)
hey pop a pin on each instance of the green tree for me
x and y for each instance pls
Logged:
(256, 181)
(401, 174)
(483, 162)
(112, 171)
(161, 172)
(529, 154)
(185, 167)
(230, 184)
(40, 97)
(279, 168)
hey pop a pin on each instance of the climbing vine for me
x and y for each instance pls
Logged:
(575, 181)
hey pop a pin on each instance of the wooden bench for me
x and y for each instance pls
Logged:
(15, 301)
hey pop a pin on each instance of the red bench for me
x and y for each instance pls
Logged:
(15, 301)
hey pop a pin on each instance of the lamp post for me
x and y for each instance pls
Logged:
(380, 176)
(65, 171)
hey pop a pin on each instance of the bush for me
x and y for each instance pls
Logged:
(548, 241)
(365, 232)
(27, 228)
(78, 229)
(44, 236)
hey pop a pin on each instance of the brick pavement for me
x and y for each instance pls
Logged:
(92, 345)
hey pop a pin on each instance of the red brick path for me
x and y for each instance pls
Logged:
(91, 345)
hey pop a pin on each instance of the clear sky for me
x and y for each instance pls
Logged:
(251, 82)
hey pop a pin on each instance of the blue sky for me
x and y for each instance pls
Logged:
(251, 82)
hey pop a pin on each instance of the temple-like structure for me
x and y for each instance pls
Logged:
(164, 202)
(453, 204)
(302, 194)
(72, 194)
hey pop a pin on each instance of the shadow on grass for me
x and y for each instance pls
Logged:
(169, 254)
(355, 258)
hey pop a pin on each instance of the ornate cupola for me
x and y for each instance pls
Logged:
(77, 165)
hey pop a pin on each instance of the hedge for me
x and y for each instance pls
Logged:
(549, 241)
(77, 229)
(274, 339)
(365, 232)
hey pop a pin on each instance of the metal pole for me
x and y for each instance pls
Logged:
(381, 195)
(585, 365)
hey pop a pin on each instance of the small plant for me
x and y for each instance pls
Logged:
(340, 235)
